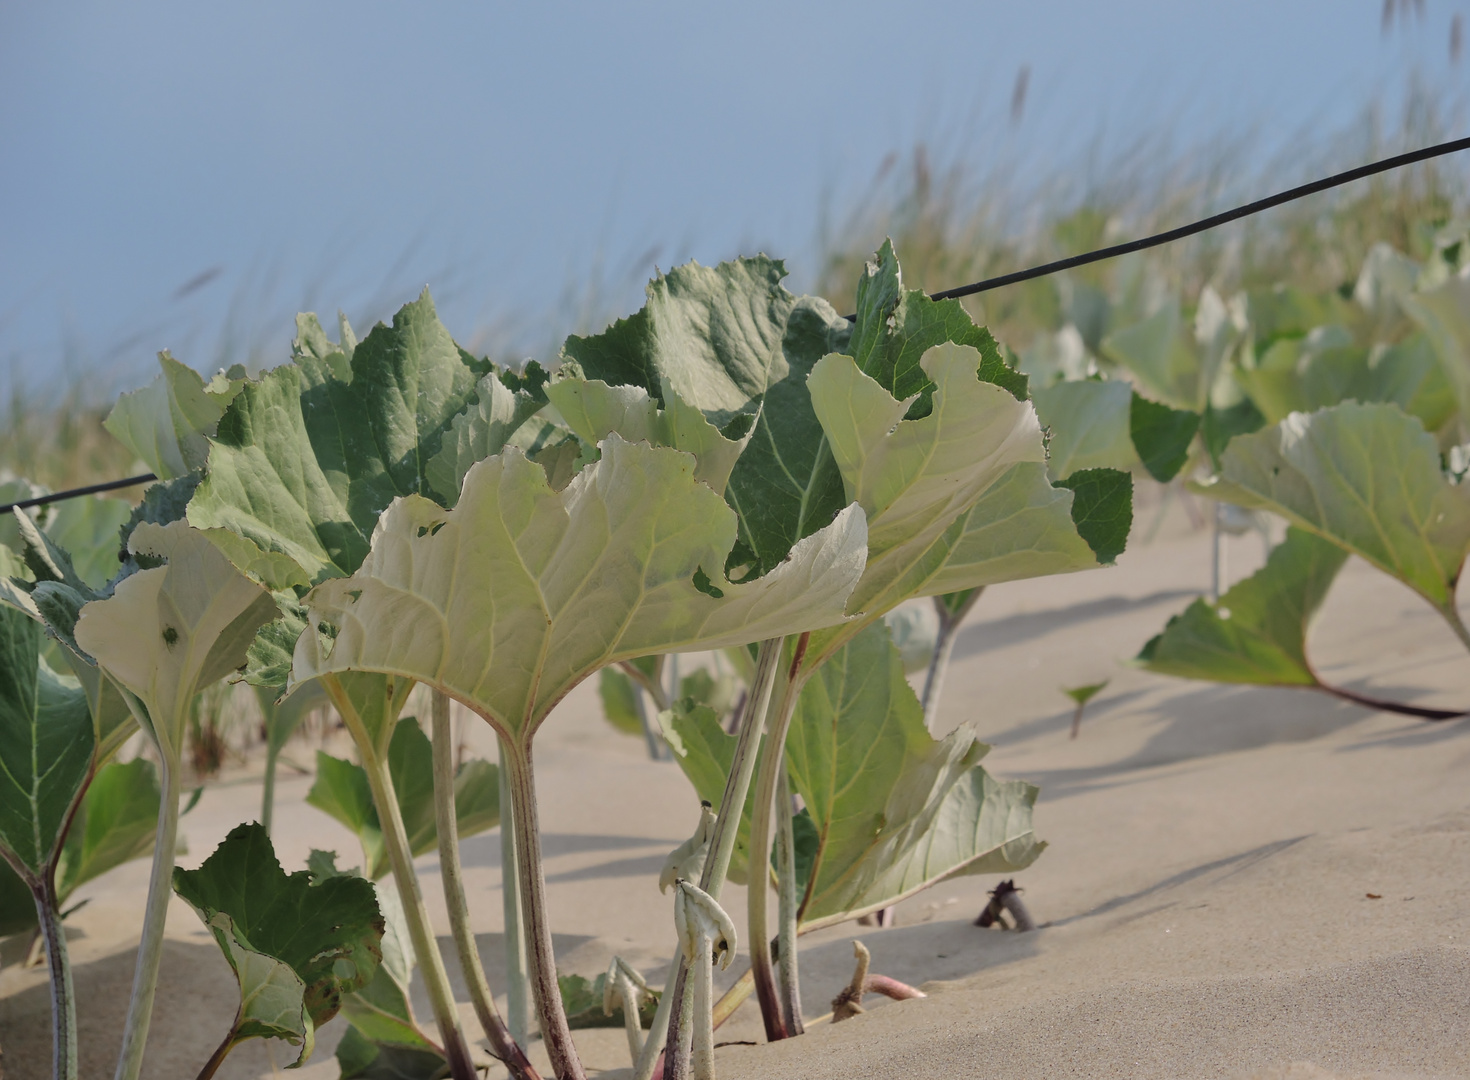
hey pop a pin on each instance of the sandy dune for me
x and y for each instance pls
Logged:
(1205, 897)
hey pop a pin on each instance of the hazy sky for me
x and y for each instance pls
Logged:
(187, 175)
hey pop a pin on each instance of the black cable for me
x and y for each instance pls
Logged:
(1396, 162)
(90, 489)
(1216, 220)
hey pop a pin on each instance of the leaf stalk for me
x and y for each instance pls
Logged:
(502, 1045)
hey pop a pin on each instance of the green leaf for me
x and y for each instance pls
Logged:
(619, 701)
(166, 423)
(1156, 350)
(593, 409)
(1257, 632)
(46, 745)
(711, 335)
(582, 1000)
(1088, 425)
(896, 327)
(543, 588)
(381, 1013)
(913, 478)
(169, 632)
(114, 824)
(307, 457)
(1102, 509)
(704, 751)
(1366, 477)
(17, 903)
(1021, 527)
(494, 415)
(1161, 436)
(1083, 694)
(341, 790)
(1443, 313)
(1219, 426)
(283, 717)
(88, 528)
(893, 809)
(361, 1059)
(296, 946)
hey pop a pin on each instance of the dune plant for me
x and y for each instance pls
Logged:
(909, 411)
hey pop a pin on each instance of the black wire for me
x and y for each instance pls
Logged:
(1396, 162)
(1290, 195)
(90, 489)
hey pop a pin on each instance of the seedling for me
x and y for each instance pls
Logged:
(1080, 696)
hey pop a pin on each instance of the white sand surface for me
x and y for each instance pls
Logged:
(1205, 897)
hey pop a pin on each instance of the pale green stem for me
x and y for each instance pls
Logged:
(268, 789)
(772, 765)
(788, 902)
(949, 627)
(150, 948)
(517, 984)
(502, 1045)
(671, 1027)
(702, 1033)
(555, 1034)
(400, 858)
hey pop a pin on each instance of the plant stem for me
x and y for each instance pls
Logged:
(702, 1032)
(772, 765)
(217, 1058)
(395, 842)
(950, 619)
(721, 848)
(502, 1045)
(150, 948)
(63, 999)
(268, 789)
(517, 986)
(1383, 705)
(788, 901)
(555, 1033)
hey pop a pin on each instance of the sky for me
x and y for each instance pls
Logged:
(187, 176)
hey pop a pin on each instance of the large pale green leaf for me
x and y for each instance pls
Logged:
(710, 334)
(341, 790)
(1088, 425)
(894, 810)
(307, 457)
(166, 423)
(17, 903)
(1156, 350)
(114, 824)
(1257, 633)
(1021, 527)
(169, 632)
(1443, 313)
(593, 409)
(46, 746)
(1304, 375)
(296, 945)
(542, 588)
(913, 478)
(1366, 477)
(486, 427)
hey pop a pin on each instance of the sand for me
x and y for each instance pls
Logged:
(1205, 899)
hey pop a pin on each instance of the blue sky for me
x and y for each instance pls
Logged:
(188, 175)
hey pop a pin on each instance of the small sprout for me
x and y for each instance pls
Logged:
(848, 1004)
(707, 937)
(624, 985)
(687, 860)
(1082, 695)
